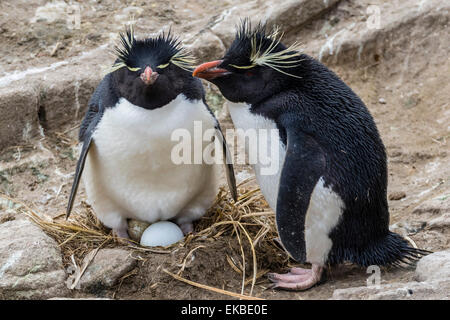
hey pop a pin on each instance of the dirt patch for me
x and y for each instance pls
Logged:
(40, 33)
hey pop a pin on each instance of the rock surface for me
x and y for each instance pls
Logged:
(30, 263)
(108, 266)
(435, 205)
(208, 46)
(46, 98)
(435, 266)
(290, 14)
(432, 274)
(443, 221)
(397, 291)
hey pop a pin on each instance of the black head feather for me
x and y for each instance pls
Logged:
(261, 46)
(240, 50)
(159, 50)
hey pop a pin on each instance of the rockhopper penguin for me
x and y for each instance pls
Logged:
(329, 193)
(126, 136)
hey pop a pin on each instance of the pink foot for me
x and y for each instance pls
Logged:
(186, 227)
(122, 234)
(300, 271)
(297, 278)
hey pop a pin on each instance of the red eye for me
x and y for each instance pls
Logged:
(249, 73)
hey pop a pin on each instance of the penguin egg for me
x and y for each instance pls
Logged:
(162, 233)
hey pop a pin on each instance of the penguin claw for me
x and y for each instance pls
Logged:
(301, 280)
(272, 286)
(272, 277)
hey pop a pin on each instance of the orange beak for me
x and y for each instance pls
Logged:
(209, 70)
(149, 76)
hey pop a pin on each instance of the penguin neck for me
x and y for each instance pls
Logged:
(156, 96)
(149, 98)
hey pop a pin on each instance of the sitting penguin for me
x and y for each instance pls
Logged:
(126, 139)
(329, 193)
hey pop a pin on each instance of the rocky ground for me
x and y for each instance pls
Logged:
(49, 68)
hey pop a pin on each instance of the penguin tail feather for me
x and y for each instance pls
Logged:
(391, 250)
(394, 250)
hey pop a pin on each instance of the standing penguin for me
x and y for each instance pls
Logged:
(329, 193)
(126, 136)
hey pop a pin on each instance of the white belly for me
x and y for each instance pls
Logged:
(325, 207)
(129, 172)
(269, 164)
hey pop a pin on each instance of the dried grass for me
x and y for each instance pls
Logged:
(199, 285)
(249, 221)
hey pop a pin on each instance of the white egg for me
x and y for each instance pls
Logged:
(162, 233)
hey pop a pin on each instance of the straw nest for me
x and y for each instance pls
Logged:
(249, 222)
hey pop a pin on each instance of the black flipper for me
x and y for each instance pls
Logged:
(103, 97)
(227, 155)
(303, 166)
(79, 170)
(228, 162)
(87, 129)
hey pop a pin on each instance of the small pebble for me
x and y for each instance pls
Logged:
(397, 195)
(382, 101)
(136, 229)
